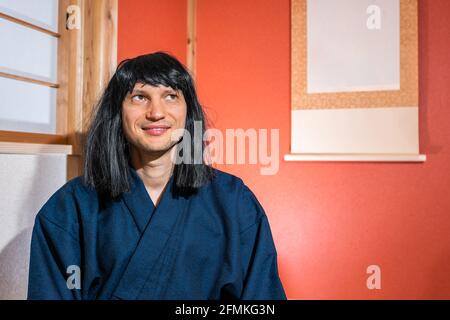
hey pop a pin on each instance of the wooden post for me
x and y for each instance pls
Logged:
(191, 35)
(92, 57)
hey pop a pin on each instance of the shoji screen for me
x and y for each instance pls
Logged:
(28, 65)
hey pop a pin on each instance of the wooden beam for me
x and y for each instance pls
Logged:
(28, 79)
(27, 137)
(62, 103)
(191, 35)
(100, 49)
(92, 62)
(355, 157)
(70, 74)
(34, 148)
(28, 25)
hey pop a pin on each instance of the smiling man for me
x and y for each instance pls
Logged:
(152, 116)
(139, 225)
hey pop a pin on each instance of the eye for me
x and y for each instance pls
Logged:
(138, 98)
(171, 96)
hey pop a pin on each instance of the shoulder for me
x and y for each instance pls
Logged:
(74, 190)
(237, 198)
(63, 207)
(226, 181)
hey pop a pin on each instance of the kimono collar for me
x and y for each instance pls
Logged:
(139, 202)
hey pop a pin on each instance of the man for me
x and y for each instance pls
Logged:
(140, 224)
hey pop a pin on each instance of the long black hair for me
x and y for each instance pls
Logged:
(106, 153)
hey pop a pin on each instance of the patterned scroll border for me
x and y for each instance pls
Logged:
(409, 75)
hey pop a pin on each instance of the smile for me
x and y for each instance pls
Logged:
(155, 131)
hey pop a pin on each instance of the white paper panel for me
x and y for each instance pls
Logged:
(27, 51)
(43, 13)
(27, 107)
(26, 183)
(345, 54)
(356, 131)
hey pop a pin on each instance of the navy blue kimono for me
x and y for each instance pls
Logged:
(214, 244)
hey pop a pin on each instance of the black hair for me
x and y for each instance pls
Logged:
(106, 152)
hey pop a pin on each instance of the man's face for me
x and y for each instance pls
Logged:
(150, 115)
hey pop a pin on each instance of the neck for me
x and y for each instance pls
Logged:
(155, 169)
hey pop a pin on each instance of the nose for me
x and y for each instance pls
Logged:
(156, 111)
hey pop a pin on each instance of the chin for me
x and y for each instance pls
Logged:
(157, 147)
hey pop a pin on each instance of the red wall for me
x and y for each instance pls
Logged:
(329, 220)
(150, 25)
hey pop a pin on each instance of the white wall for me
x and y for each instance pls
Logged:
(26, 183)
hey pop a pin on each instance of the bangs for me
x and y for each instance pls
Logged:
(153, 70)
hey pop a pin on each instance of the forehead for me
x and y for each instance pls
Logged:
(139, 86)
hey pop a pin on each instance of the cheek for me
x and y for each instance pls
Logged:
(128, 126)
(129, 118)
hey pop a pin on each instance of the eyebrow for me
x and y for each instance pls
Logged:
(143, 92)
(137, 91)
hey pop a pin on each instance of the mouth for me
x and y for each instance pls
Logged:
(156, 130)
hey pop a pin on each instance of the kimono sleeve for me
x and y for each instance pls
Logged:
(261, 280)
(55, 261)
